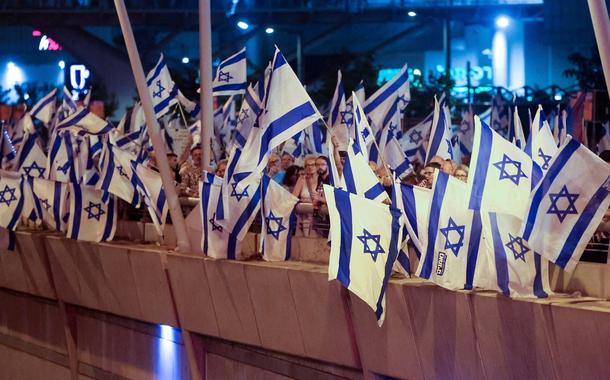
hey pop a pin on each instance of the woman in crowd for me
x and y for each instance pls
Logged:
(293, 173)
(305, 189)
(461, 173)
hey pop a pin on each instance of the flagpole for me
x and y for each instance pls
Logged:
(205, 80)
(601, 27)
(153, 129)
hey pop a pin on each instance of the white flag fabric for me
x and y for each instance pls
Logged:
(61, 162)
(519, 136)
(250, 108)
(440, 143)
(83, 122)
(364, 245)
(378, 104)
(465, 132)
(454, 235)
(391, 150)
(568, 204)
(91, 219)
(361, 133)
(11, 199)
(231, 75)
(51, 202)
(359, 92)
(31, 159)
(117, 174)
(415, 141)
(148, 182)
(278, 221)
(68, 105)
(414, 201)
(339, 118)
(358, 176)
(215, 238)
(45, 108)
(507, 264)
(500, 172)
(541, 145)
(163, 90)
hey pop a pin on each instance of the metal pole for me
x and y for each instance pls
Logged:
(205, 81)
(153, 129)
(299, 57)
(601, 26)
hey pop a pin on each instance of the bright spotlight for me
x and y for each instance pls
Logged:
(558, 97)
(269, 30)
(411, 14)
(417, 72)
(242, 25)
(185, 60)
(61, 64)
(10, 65)
(26, 96)
(502, 22)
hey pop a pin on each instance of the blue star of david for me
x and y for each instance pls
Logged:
(11, 192)
(391, 130)
(504, 174)
(452, 226)
(64, 168)
(278, 221)
(243, 115)
(160, 89)
(545, 158)
(45, 204)
(377, 249)
(122, 171)
(569, 209)
(415, 137)
(94, 211)
(224, 77)
(365, 133)
(215, 227)
(34, 166)
(517, 246)
(346, 117)
(237, 195)
(402, 101)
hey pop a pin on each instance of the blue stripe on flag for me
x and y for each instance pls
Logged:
(231, 60)
(556, 167)
(392, 254)
(435, 211)
(78, 210)
(57, 205)
(43, 104)
(345, 213)
(374, 191)
(231, 87)
(473, 248)
(157, 71)
(387, 93)
(109, 219)
(480, 175)
(499, 255)
(538, 287)
(241, 224)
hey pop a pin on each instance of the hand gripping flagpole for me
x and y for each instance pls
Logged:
(153, 129)
(601, 27)
(205, 80)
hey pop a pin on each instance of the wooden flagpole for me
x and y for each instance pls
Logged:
(153, 128)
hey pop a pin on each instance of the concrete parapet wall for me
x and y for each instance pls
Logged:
(290, 309)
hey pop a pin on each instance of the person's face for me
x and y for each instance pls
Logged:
(287, 161)
(196, 157)
(220, 170)
(321, 166)
(461, 175)
(427, 173)
(310, 166)
(173, 161)
(273, 166)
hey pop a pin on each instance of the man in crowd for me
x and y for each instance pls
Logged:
(191, 172)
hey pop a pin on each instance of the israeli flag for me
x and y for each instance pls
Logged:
(377, 105)
(414, 202)
(278, 221)
(500, 115)
(190, 107)
(454, 235)
(339, 117)
(19, 128)
(441, 137)
(315, 139)
(390, 148)
(68, 105)
(560, 133)
(517, 136)
(148, 182)
(91, 219)
(61, 162)
(250, 109)
(215, 238)
(31, 159)
(541, 145)
(360, 94)
(358, 176)
(500, 171)
(414, 142)
(506, 264)
(162, 89)
(7, 150)
(11, 199)
(465, 132)
(51, 202)
(288, 110)
(362, 133)
(229, 122)
(83, 122)
(231, 75)
(604, 143)
(117, 176)
(364, 247)
(567, 205)
(45, 108)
